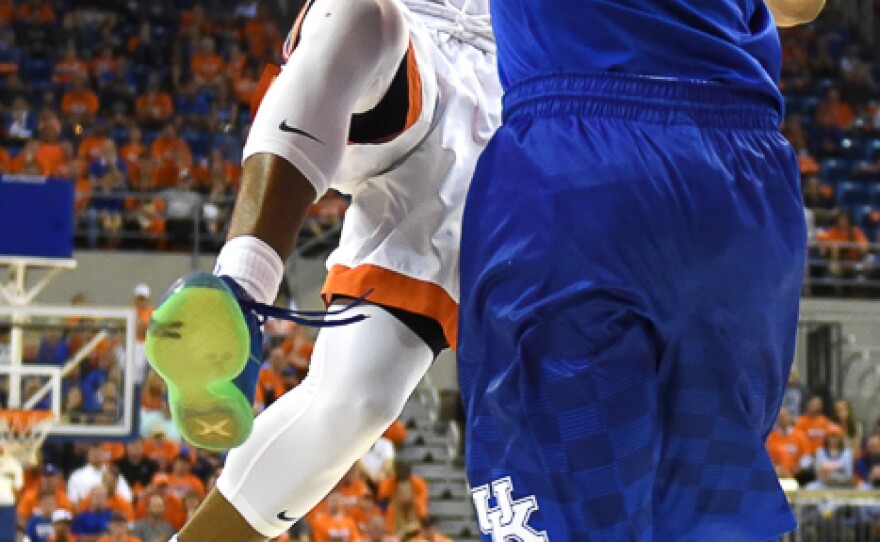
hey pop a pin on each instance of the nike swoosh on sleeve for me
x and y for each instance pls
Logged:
(284, 127)
(283, 516)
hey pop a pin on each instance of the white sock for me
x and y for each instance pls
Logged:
(254, 265)
(173, 539)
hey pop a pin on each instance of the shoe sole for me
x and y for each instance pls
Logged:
(198, 342)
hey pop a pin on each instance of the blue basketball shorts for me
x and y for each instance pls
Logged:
(631, 265)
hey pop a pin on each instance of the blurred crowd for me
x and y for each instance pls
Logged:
(821, 444)
(145, 106)
(831, 84)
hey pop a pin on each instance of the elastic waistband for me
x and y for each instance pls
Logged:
(642, 98)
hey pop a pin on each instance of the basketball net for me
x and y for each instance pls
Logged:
(22, 432)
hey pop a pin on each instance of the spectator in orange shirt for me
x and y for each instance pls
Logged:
(365, 512)
(70, 167)
(102, 66)
(820, 199)
(92, 522)
(430, 533)
(131, 153)
(118, 531)
(70, 67)
(174, 512)
(845, 244)
(49, 480)
(375, 532)
(153, 397)
(159, 448)
(403, 473)
(299, 347)
(334, 525)
(143, 313)
(27, 163)
(261, 33)
(90, 146)
(7, 12)
(244, 86)
(181, 481)
(114, 501)
(154, 107)
(402, 516)
(396, 433)
(840, 112)
(5, 161)
(789, 448)
(172, 158)
(50, 153)
(195, 18)
(207, 65)
(114, 450)
(352, 487)
(270, 382)
(35, 12)
(79, 104)
(326, 213)
(214, 169)
(813, 423)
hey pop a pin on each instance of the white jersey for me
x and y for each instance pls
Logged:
(401, 233)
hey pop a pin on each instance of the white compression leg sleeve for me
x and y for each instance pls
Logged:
(359, 380)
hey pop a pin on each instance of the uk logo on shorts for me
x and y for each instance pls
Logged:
(508, 521)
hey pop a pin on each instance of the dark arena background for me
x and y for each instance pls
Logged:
(121, 133)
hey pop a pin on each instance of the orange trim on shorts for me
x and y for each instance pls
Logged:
(414, 110)
(395, 290)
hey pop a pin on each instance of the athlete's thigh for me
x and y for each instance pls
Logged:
(559, 350)
(730, 344)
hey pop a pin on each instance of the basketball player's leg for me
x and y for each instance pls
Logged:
(346, 59)
(354, 48)
(359, 379)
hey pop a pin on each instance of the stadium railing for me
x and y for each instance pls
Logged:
(832, 515)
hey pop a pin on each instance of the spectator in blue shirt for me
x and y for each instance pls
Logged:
(53, 348)
(39, 526)
(94, 520)
(868, 465)
(108, 175)
(192, 107)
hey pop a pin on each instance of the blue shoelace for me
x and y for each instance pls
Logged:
(306, 318)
